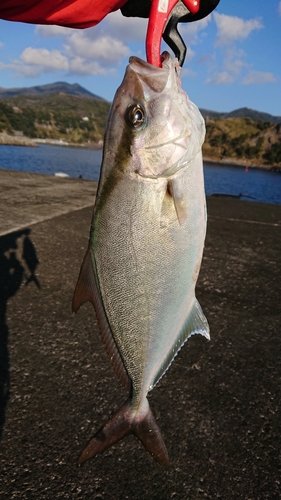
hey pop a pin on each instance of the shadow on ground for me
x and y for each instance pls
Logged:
(18, 263)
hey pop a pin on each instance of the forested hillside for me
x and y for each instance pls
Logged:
(57, 115)
(252, 141)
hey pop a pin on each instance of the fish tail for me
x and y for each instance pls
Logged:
(129, 421)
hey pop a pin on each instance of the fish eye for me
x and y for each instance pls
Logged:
(135, 116)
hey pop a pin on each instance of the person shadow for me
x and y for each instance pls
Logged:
(15, 267)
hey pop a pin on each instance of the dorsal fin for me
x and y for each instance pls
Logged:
(87, 290)
(194, 323)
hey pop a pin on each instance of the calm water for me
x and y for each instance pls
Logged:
(254, 185)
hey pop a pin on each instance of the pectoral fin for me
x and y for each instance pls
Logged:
(87, 290)
(168, 211)
(178, 193)
(174, 207)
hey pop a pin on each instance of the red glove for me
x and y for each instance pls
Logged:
(69, 13)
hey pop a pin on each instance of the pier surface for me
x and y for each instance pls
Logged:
(218, 406)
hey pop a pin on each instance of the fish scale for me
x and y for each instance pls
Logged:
(134, 270)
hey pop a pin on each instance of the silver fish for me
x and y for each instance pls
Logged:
(146, 242)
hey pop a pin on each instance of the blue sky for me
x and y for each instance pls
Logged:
(233, 58)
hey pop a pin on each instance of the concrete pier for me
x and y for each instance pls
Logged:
(218, 406)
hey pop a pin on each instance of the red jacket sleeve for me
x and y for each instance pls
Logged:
(69, 13)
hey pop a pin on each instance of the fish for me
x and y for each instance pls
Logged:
(146, 243)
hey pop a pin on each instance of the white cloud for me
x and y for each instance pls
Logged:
(234, 66)
(48, 60)
(279, 8)
(97, 50)
(223, 77)
(124, 28)
(232, 28)
(20, 69)
(77, 66)
(1, 45)
(191, 31)
(33, 62)
(253, 77)
(234, 60)
(114, 25)
(258, 77)
(105, 49)
(49, 31)
(100, 49)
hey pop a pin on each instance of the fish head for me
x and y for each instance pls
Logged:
(153, 128)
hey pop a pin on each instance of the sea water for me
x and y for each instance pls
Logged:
(249, 184)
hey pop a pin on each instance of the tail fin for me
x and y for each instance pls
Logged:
(127, 421)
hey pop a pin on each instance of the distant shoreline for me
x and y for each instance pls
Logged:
(22, 140)
(231, 162)
(11, 140)
(16, 140)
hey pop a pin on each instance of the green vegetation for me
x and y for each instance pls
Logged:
(243, 139)
(10, 120)
(273, 156)
(58, 115)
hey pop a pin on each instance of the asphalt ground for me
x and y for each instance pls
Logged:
(27, 198)
(218, 406)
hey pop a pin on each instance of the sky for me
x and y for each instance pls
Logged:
(233, 55)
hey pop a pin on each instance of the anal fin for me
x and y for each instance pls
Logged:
(87, 290)
(195, 322)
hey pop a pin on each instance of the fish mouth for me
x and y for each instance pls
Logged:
(166, 59)
(156, 78)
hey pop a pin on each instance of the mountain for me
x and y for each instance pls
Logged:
(57, 111)
(42, 90)
(241, 113)
(77, 90)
